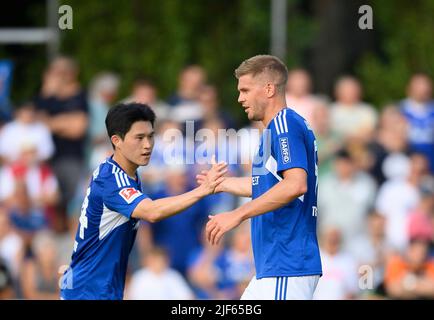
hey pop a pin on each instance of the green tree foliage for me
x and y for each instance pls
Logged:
(158, 38)
(406, 29)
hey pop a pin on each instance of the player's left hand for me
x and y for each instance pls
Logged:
(219, 224)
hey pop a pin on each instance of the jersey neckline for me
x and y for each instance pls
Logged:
(113, 162)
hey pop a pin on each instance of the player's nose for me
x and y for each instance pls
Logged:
(240, 98)
(147, 144)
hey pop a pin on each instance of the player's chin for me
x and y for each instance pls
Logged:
(252, 117)
(143, 160)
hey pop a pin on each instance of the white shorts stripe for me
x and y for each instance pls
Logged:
(285, 287)
(281, 288)
(277, 288)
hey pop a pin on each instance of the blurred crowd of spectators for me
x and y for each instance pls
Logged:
(375, 202)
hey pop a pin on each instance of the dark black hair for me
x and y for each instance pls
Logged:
(121, 117)
(343, 154)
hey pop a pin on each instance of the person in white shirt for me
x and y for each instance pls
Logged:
(350, 117)
(340, 276)
(298, 94)
(23, 131)
(399, 195)
(156, 281)
(371, 249)
(345, 197)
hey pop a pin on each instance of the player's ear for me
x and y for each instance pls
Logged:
(116, 140)
(270, 89)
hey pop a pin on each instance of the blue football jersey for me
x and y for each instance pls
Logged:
(105, 236)
(284, 241)
(420, 129)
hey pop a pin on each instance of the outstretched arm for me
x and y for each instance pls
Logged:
(156, 210)
(292, 186)
(239, 186)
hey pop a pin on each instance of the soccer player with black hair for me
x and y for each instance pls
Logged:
(114, 204)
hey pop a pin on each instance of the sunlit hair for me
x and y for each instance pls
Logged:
(268, 65)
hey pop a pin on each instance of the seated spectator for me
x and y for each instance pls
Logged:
(103, 92)
(26, 218)
(345, 197)
(390, 139)
(299, 96)
(40, 272)
(399, 195)
(210, 104)
(157, 281)
(208, 272)
(25, 130)
(190, 81)
(38, 180)
(370, 250)
(351, 118)
(418, 110)
(339, 280)
(6, 282)
(421, 219)
(411, 275)
(185, 104)
(328, 142)
(11, 245)
(241, 267)
(145, 91)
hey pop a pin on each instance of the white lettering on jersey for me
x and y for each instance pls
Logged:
(284, 149)
(83, 218)
(255, 180)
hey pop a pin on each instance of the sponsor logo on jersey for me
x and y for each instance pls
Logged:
(129, 194)
(284, 149)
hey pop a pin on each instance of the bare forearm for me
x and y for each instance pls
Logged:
(397, 290)
(238, 186)
(278, 196)
(425, 288)
(154, 211)
(72, 126)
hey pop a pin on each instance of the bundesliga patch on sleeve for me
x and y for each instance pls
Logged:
(129, 194)
(284, 149)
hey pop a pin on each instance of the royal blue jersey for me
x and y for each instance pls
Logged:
(105, 236)
(284, 241)
(421, 128)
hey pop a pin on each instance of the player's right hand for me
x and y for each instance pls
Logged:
(211, 179)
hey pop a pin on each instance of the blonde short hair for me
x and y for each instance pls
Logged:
(265, 64)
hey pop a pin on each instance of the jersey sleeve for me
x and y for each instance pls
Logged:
(120, 195)
(288, 143)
